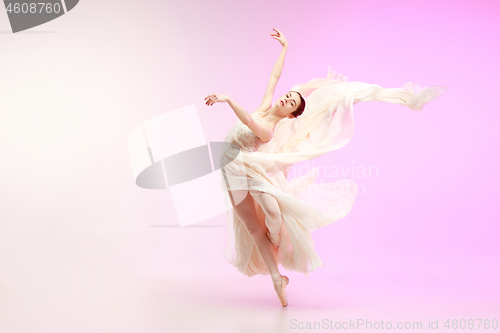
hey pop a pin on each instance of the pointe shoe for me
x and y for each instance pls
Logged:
(282, 294)
(275, 240)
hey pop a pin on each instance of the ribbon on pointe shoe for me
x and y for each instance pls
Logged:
(275, 240)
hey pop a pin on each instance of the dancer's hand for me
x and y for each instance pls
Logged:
(214, 98)
(279, 36)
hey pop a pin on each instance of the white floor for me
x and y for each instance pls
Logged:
(150, 305)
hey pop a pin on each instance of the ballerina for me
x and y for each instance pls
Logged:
(272, 217)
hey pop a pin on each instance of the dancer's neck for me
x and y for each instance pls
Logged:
(270, 116)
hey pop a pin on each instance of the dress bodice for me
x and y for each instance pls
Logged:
(244, 137)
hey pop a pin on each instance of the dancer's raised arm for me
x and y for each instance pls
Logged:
(275, 74)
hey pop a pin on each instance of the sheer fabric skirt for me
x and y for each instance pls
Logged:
(304, 206)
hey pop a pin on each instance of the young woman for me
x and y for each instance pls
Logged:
(273, 217)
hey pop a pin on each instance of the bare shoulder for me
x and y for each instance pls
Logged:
(260, 128)
(259, 117)
(257, 114)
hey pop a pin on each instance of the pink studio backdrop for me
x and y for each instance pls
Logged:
(73, 89)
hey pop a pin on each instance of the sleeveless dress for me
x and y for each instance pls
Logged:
(327, 123)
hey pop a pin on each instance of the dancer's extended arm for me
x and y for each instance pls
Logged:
(275, 74)
(265, 133)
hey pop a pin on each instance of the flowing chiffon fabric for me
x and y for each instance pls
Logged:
(326, 124)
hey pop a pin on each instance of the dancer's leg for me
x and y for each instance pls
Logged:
(245, 210)
(271, 208)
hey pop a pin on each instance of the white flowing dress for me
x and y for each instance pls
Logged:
(326, 124)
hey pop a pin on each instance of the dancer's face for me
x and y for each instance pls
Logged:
(288, 103)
